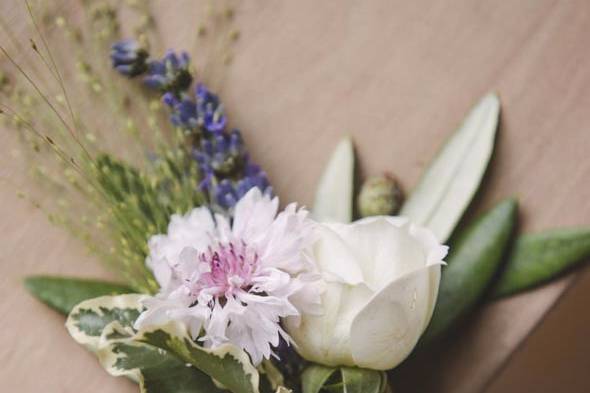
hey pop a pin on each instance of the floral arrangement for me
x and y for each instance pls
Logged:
(223, 288)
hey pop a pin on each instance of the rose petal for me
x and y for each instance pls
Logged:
(385, 248)
(386, 330)
(335, 259)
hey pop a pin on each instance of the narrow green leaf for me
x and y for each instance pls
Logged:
(537, 258)
(315, 377)
(356, 380)
(227, 364)
(63, 293)
(334, 199)
(449, 184)
(475, 257)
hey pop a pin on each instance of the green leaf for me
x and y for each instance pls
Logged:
(63, 293)
(356, 380)
(156, 370)
(103, 323)
(475, 257)
(227, 364)
(334, 199)
(314, 377)
(449, 184)
(537, 258)
(88, 319)
(352, 380)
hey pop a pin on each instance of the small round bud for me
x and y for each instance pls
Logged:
(379, 196)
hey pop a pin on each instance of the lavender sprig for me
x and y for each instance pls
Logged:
(226, 168)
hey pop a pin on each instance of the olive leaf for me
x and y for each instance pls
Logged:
(63, 293)
(537, 258)
(227, 364)
(334, 195)
(449, 184)
(475, 257)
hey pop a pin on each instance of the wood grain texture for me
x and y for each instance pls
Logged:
(396, 75)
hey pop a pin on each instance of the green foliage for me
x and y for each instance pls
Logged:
(163, 359)
(92, 322)
(475, 257)
(537, 258)
(63, 293)
(159, 372)
(226, 364)
(140, 206)
(317, 378)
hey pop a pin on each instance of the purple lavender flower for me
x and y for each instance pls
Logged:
(204, 113)
(128, 58)
(227, 193)
(210, 110)
(183, 111)
(222, 154)
(171, 74)
(227, 171)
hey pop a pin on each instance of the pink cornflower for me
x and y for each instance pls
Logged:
(234, 282)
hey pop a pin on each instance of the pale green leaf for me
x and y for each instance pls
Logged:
(227, 364)
(450, 182)
(357, 380)
(334, 195)
(314, 377)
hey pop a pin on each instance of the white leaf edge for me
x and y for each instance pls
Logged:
(334, 195)
(452, 179)
(102, 346)
(107, 357)
(93, 343)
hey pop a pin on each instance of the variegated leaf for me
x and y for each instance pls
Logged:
(88, 319)
(273, 376)
(156, 370)
(227, 364)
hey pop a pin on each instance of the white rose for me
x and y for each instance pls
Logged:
(382, 276)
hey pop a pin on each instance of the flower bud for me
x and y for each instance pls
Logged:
(379, 196)
(128, 58)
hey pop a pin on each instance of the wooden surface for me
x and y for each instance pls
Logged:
(396, 75)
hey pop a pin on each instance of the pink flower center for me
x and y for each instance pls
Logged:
(232, 266)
